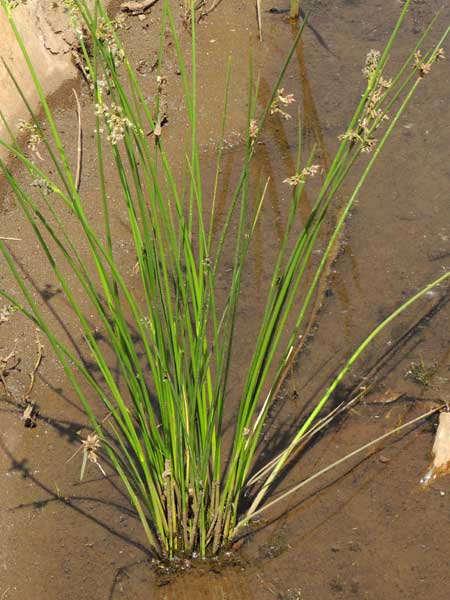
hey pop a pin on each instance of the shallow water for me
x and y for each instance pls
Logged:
(365, 531)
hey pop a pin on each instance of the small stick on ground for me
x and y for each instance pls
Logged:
(30, 411)
(4, 369)
(79, 143)
(258, 16)
(32, 374)
(10, 239)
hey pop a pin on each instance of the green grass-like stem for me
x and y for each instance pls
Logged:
(161, 420)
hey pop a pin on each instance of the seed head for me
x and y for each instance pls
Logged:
(43, 186)
(253, 129)
(117, 123)
(298, 178)
(372, 60)
(284, 100)
(35, 136)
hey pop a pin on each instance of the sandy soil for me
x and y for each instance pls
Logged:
(366, 531)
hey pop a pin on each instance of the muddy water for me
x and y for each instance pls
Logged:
(366, 531)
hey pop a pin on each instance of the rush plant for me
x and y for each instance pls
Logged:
(160, 425)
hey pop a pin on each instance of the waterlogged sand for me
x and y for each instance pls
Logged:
(368, 530)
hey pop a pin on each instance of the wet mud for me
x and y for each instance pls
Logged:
(364, 530)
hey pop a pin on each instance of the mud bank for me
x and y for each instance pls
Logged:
(49, 40)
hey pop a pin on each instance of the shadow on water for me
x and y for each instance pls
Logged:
(276, 439)
(361, 480)
(21, 467)
(64, 316)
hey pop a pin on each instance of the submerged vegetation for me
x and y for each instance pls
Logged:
(421, 373)
(161, 425)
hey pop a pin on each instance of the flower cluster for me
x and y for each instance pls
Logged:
(35, 136)
(115, 121)
(161, 81)
(42, 185)
(372, 60)
(75, 19)
(281, 100)
(424, 67)
(119, 21)
(105, 34)
(373, 114)
(363, 136)
(253, 129)
(298, 178)
(90, 447)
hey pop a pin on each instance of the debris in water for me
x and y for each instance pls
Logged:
(7, 310)
(30, 414)
(440, 452)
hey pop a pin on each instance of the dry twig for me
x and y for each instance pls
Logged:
(258, 16)
(5, 369)
(32, 374)
(30, 412)
(11, 363)
(89, 447)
